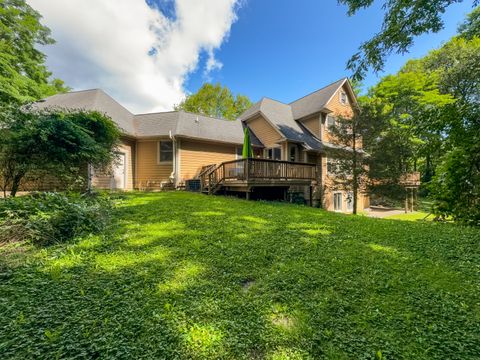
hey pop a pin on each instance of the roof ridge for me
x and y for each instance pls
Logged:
(100, 91)
(156, 112)
(278, 101)
(207, 116)
(77, 91)
(322, 88)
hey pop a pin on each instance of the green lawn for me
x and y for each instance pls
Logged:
(413, 216)
(190, 276)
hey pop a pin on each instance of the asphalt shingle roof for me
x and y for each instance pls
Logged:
(180, 123)
(316, 101)
(95, 99)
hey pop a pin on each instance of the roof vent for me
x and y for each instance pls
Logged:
(196, 119)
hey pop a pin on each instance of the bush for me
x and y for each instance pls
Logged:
(49, 217)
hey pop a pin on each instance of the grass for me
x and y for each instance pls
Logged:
(413, 216)
(187, 276)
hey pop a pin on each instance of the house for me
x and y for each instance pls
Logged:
(170, 148)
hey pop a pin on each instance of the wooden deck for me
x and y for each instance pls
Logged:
(245, 174)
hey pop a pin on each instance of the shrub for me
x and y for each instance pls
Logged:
(49, 217)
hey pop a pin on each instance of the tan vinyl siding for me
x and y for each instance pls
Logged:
(195, 154)
(327, 181)
(265, 132)
(338, 109)
(149, 171)
(312, 123)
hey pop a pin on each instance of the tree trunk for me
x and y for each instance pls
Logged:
(354, 172)
(15, 184)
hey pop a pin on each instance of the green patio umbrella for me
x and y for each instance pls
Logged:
(247, 150)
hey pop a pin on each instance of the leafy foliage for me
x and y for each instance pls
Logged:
(456, 185)
(23, 74)
(470, 28)
(398, 135)
(46, 218)
(425, 118)
(185, 276)
(402, 22)
(54, 141)
(350, 160)
(215, 100)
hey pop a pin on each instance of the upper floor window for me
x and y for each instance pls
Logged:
(273, 153)
(331, 122)
(165, 149)
(343, 98)
(333, 166)
(293, 153)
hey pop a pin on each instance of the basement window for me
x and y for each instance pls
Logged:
(337, 201)
(165, 149)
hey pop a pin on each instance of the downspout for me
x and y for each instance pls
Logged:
(173, 175)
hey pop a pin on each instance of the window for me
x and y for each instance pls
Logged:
(337, 201)
(273, 153)
(293, 153)
(343, 98)
(165, 151)
(350, 201)
(239, 152)
(331, 122)
(333, 166)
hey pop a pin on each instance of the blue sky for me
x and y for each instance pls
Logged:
(285, 49)
(149, 54)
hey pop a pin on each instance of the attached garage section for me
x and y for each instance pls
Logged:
(120, 177)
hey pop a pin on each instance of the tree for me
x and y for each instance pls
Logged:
(429, 120)
(23, 74)
(59, 143)
(456, 184)
(401, 108)
(348, 166)
(403, 21)
(215, 100)
(471, 26)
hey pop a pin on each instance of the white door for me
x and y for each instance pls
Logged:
(118, 179)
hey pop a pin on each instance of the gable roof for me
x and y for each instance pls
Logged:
(316, 101)
(178, 123)
(185, 124)
(283, 117)
(94, 99)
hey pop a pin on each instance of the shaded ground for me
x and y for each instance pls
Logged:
(191, 276)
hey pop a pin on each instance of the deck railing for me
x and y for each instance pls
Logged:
(258, 169)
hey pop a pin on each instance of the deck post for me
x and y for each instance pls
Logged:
(310, 195)
(247, 194)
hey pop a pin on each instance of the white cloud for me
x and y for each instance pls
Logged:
(106, 44)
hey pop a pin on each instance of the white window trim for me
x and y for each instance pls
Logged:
(334, 121)
(158, 154)
(341, 201)
(341, 93)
